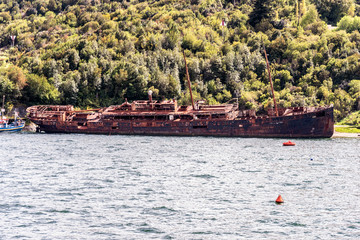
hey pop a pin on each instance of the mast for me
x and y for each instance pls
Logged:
(2, 108)
(15, 116)
(271, 84)
(188, 80)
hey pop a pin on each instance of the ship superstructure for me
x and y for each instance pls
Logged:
(149, 117)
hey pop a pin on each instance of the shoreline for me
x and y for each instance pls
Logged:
(344, 135)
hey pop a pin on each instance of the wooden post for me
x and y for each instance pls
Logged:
(3, 108)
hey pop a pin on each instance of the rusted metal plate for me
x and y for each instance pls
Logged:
(166, 118)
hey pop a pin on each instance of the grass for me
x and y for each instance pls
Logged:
(347, 129)
(350, 124)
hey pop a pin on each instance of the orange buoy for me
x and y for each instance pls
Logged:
(289, 143)
(279, 200)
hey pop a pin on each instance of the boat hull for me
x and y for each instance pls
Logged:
(12, 128)
(317, 124)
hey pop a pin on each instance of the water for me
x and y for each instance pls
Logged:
(58, 186)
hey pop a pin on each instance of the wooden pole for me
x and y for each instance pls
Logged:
(2, 108)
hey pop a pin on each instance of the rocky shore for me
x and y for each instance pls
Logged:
(30, 128)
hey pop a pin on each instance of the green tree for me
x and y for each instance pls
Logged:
(4, 17)
(311, 16)
(263, 10)
(354, 90)
(68, 90)
(349, 24)
(39, 91)
(7, 87)
(332, 10)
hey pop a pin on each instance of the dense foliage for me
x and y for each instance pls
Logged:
(352, 119)
(93, 53)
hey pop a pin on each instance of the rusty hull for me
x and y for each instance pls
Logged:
(166, 118)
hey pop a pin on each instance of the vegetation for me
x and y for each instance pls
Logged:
(350, 124)
(347, 129)
(93, 53)
(353, 119)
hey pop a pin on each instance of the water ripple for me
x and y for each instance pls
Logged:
(70, 186)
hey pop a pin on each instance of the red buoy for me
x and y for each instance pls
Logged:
(279, 200)
(289, 143)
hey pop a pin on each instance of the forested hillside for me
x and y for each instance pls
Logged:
(93, 53)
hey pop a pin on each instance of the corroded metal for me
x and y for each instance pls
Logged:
(167, 118)
(188, 80)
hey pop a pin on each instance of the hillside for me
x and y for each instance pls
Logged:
(93, 53)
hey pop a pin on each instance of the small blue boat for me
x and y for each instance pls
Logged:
(15, 126)
(10, 126)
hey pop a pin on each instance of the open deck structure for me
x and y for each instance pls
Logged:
(148, 117)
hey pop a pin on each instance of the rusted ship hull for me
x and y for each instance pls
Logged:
(315, 124)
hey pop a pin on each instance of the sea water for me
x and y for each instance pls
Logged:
(72, 186)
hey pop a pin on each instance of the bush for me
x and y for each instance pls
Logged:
(349, 24)
(332, 10)
(4, 17)
(39, 91)
(90, 26)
